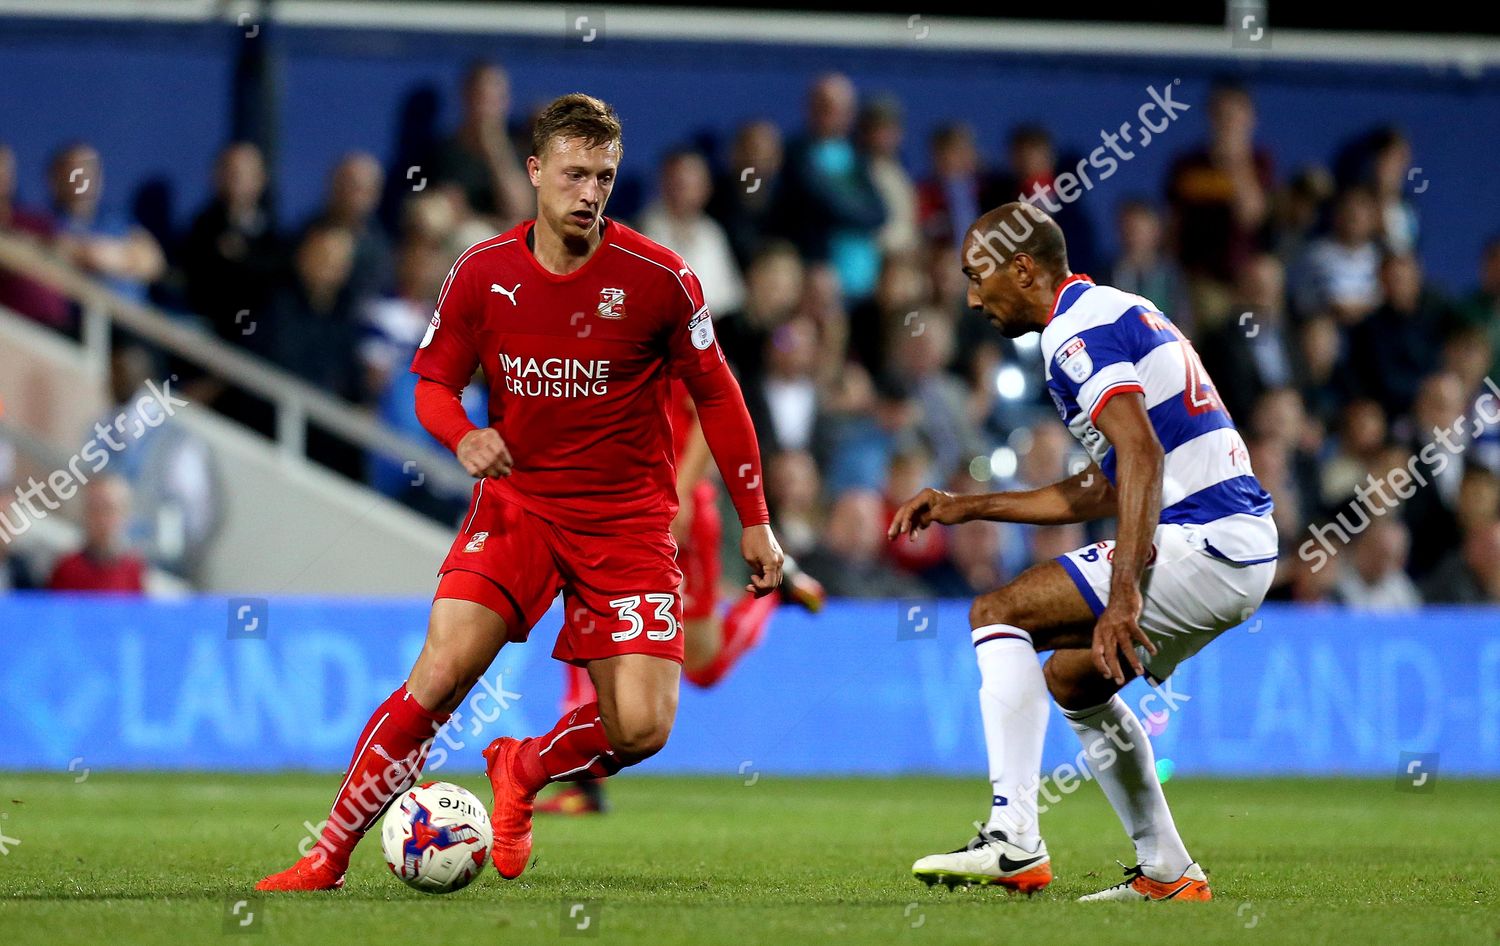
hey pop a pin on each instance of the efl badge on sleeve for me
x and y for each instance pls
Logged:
(701, 328)
(611, 303)
(1074, 360)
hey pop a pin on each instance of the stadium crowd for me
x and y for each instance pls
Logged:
(832, 269)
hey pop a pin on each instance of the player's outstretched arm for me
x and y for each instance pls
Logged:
(1139, 461)
(731, 438)
(1080, 498)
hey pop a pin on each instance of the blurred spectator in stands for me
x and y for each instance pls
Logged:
(1046, 456)
(1033, 177)
(1320, 346)
(391, 329)
(880, 134)
(25, 296)
(1482, 308)
(1399, 344)
(1469, 575)
(1356, 451)
(105, 563)
(891, 314)
(1310, 580)
(176, 501)
(867, 421)
(822, 303)
(104, 244)
(923, 553)
(232, 256)
(1271, 459)
(785, 400)
(977, 550)
(826, 202)
(919, 359)
(677, 221)
(1380, 160)
(1297, 212)
(1218, 195)
(773, 289)
(1144, 268)
(1436, 436)
(354, 188)
(15, 572)
(1372, 570)
(314, 328)
(440, 216)
(793, 492)
(952, 198)
(744, 197)
(1278, 415)
(1478, 499)
(1256, 350)
(480, 157)
(851, 559)
(314, 333)
(1339, 273)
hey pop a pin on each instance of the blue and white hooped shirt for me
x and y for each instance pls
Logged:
(1100, 342)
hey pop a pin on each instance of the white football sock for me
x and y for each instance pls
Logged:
(1120, 757)
(1014, 703)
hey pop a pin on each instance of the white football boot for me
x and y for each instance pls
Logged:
(988, 859)
(1192, 885)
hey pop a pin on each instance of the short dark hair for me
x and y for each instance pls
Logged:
(576, 115)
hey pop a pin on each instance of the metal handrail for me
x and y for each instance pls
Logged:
(296, 402)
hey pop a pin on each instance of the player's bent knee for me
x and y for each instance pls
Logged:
(440, 685)
(1074, 682)
(639, 740)
(993, 608)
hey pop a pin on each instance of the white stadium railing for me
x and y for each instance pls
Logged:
(296, 403)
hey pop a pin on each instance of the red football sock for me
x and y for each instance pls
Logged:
(575, 750)
(743, 626)
(578, 688)
(387, 758)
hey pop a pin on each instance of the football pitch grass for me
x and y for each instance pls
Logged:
(166, 858)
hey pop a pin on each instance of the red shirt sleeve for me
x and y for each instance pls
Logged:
(691, 346)
(731, 439)
(441, 411)
(449, 352)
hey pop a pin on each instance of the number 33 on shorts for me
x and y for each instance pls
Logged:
(629, 612)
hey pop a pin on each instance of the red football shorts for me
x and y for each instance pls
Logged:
(699, 555)
(620, 592)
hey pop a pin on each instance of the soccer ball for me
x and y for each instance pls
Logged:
(436, 837)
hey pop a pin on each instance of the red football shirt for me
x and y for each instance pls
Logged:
(578, 369)
(81, 572)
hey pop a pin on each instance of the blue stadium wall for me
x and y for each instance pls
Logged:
(207, 683)
(155, 98)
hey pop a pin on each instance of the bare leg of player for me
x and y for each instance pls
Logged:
(629, 723)
(462, 640)
(1109, 730)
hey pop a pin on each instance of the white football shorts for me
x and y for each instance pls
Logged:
(1190, 595)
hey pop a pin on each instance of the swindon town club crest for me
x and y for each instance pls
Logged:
(611, 303)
